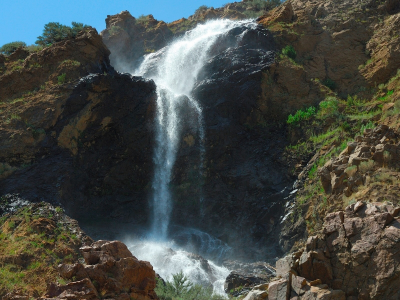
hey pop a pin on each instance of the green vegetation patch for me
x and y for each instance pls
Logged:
(329, 83)
(181, 288)
(9, 48)
(54, 32)
(301, 115)
(289, 52)
(201, 8)
(61, 78)
(33, 241)
(323, 133)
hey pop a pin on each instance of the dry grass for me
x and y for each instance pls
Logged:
(350, 171)
(366, 166)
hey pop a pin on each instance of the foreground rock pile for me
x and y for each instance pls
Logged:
(110, 271)
(355, 257)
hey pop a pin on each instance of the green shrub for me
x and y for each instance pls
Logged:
(34, 48)
(61, 78)
(366, 166)
(345, 126)
(289, 52)
(386, 97)
(328, 107)
(353, 101)
(11, 47)
(201, 8)
(180, 288)
(71, 63)
(329, 83)
(11, 225)
(397, 105)
(369, 125)
(142, 19)
(54, 32)
(301, 115)
(350, 171)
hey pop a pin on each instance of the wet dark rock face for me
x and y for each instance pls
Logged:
(97, 162)
(243, 180)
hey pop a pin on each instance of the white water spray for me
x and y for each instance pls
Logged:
(167, 262)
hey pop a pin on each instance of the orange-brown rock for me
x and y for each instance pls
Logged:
(76, 57)
(286, 87)
(129, 38)
(110, 271)
(331, 41)
(283, 13)
(384, 50)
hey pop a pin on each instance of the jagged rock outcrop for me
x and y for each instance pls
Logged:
(283, 13)
(76, 58)
(129, 38)
(110, 271)
(344, 45)
(384, 49)
(355, 257)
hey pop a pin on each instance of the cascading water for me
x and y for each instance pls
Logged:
(175, 69)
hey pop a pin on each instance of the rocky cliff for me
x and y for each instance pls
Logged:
(77, 133)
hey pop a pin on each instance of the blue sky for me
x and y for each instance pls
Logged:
(23, 20)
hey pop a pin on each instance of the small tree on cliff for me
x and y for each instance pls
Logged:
(54, 32)
(201, 8)
(11, 47)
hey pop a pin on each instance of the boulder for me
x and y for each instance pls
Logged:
(82, 289)
(257, 295)
(114, 270)
(284, 265)
(298, 285)
(333, 222)
(279, 290)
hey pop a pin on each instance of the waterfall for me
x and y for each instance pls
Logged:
(174, 70)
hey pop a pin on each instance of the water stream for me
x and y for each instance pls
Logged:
(174, 69)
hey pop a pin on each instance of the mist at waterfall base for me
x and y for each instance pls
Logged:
(174, 69)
